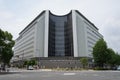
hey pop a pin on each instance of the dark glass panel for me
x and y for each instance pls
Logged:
(60, 35)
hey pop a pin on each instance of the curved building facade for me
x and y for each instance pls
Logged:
(53, 37)
(60, 35)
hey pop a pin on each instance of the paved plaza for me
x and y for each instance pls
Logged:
(61, 75)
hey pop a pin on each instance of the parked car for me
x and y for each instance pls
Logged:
(118, 68)
(30, 68)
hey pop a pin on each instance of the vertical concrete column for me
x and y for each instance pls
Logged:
(46, 33)
(74, 33)
(35, 41)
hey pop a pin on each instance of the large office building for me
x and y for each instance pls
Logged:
(57, 40)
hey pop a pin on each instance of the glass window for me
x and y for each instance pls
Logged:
(60, 35)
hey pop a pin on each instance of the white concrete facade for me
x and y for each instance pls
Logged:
(87, 35)
(46, 34)
(30, 42)
(33, 40)
(75, 34)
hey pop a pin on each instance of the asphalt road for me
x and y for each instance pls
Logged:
(62, 75)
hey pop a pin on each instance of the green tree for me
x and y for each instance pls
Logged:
(100, 53)
(84, 62)
(6, 44)
(26, 62)
(118, 59)
(30, 62)
(114, 58)
(1, 43)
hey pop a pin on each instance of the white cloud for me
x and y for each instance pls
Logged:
(111, 27)
(6, 15)
(15, 15)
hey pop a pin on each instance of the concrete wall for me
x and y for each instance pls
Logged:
(60, 62)
(24, 44)
(39, 37)
(87, 36)
(81, 37)
(30, 42)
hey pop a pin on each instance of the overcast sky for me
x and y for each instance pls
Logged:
(15, 15)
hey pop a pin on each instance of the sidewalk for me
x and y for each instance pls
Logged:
(25, 70)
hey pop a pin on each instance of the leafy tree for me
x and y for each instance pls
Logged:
(1, 43)
(6, 44)
(100, 53)
(103, 55)
(84, 62)
(26, 62)
(118, 59)
(30, 62)
(114, 58)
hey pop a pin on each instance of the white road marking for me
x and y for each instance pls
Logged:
(69, 74)
(95, 75)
